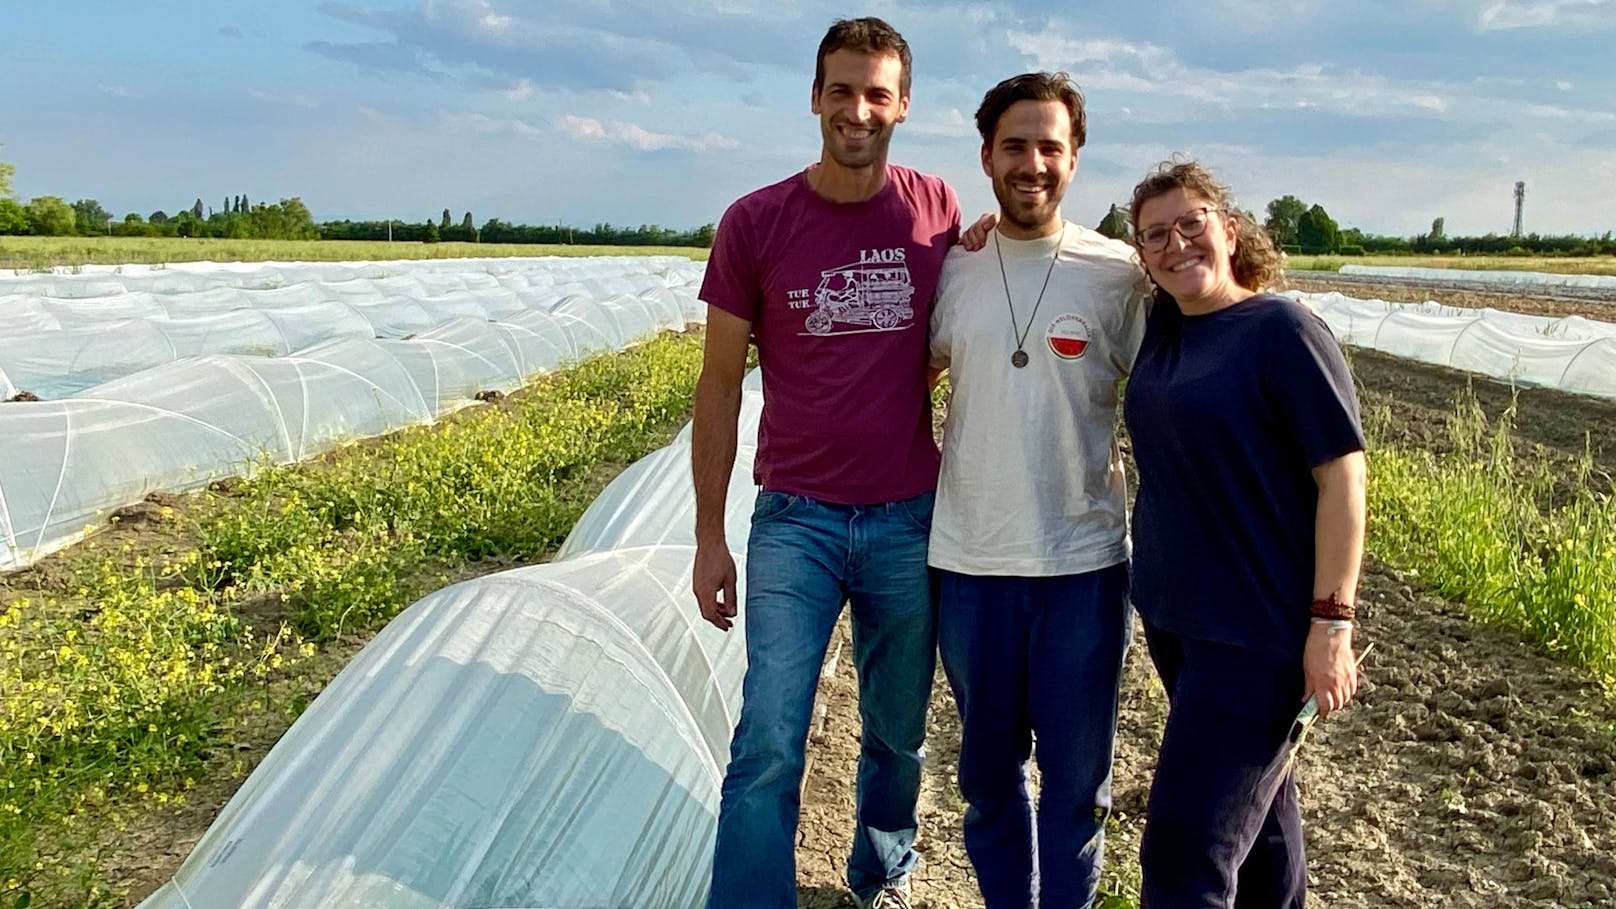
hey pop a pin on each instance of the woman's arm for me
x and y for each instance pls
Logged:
(1327, 661)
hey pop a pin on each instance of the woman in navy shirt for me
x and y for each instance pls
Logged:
(1248, 537)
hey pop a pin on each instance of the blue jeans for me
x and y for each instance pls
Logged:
(1035, 659)
(804, 558)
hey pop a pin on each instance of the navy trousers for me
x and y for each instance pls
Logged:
(1035, 660)
(1224, 827)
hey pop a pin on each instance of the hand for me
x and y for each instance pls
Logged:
(714, 574)
(976, 236)
(1330, 670)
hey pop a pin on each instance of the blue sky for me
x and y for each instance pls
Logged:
(1389, 114)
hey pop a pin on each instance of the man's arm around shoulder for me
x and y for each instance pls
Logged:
(712, 451)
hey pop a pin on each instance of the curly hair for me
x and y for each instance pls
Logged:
(1256, 264)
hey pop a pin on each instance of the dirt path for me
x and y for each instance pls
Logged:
(1473, 770)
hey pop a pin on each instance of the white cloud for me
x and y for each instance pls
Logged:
(638, 137)
(948, 123)
(1508, 15)
(472, 121)
(117, 91)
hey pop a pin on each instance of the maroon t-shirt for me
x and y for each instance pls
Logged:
(839, 296)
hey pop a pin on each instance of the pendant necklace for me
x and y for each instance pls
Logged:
(1019, 358)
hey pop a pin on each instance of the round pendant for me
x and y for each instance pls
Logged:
(1018, 359)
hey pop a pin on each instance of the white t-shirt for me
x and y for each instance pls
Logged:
(1032, 480)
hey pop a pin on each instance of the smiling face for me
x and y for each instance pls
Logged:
(1196, 271)
(1031, 161)
(859, 103)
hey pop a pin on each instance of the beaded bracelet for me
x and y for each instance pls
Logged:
(1332, 608)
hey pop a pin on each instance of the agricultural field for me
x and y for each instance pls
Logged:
(1560, 265)
(1478, 767)
(32, 253)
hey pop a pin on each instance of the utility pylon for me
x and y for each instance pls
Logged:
(1520, 200)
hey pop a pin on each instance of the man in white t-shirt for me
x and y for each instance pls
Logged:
(1030, 537)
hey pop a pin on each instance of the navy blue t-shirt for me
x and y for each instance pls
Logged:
(1229, 413)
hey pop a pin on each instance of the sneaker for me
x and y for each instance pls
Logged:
(890, 896)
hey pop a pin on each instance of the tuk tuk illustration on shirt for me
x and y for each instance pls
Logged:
(874, 293)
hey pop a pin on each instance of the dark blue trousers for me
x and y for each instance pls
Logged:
(1035, 660)
(1223, 829)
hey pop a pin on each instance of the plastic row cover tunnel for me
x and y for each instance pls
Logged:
(1479, 276)
(1570, 354)
(66, 463)
(58, 346)
(552, 736)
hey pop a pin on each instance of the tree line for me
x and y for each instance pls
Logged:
(1301, 228)
(238, 217)
(446, 229)
(1296, 227)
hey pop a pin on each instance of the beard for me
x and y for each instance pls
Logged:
(1022, 213)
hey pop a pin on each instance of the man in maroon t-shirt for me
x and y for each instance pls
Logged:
(831, 271)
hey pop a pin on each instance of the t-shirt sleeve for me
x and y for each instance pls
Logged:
(951, 206)
(940, 337)
(1135, 313)
(732, 281)
(1312, 390)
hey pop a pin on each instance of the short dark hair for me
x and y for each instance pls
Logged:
(868, 35)
(1033, 87)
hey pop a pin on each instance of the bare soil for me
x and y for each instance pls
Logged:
(1472, 770)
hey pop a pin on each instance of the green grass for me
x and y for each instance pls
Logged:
(1504, 538)
(32, 253)
(1564, 265)
(128, 670)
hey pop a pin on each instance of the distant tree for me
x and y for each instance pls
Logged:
(7, 171)
(444, 224)
(49, 216)
(1316, 231)
(1439, 229)
(1114, 224)
(245, 204)
(90, 216)
(431, 233)
(133, 218)
(703, 236)
(196, 210)
(467, 226)
(158, 217)
(13, 217)
(1284, 215)
(228, 206)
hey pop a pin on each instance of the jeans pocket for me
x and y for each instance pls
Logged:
(917, 511)
(772, 505)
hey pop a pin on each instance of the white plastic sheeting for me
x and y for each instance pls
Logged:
(69, 332)
(171, 392)
(553, 736)
(1570, 354)
(1478, 276)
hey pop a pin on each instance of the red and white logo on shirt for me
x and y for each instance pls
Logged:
(1068, 336)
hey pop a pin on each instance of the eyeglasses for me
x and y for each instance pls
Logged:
(1189, 225)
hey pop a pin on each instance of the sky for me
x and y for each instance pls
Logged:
(1389, 114)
